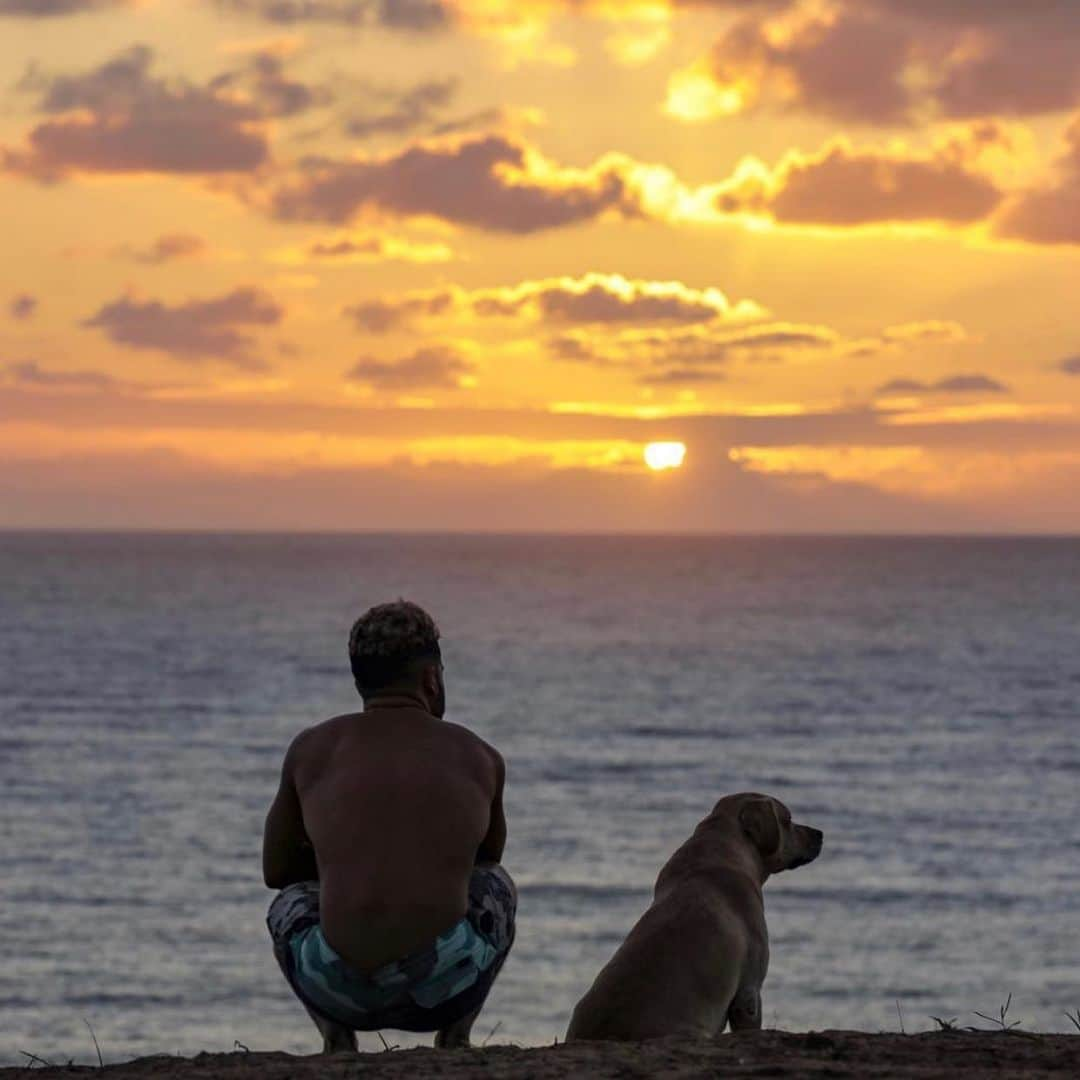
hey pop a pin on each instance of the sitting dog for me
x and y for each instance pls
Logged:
(695, 961)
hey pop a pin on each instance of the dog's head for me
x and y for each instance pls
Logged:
(766, 823)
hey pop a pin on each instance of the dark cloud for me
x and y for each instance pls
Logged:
(196, 330)
(30, 373)
(687, 354)
(437, 367)
(397, 112)
(492, 182)
(23, 306)
(1070, 365)
(409, 15)
(899, 61)
(45, 9)
(267, 86)
(483, 119)
(120, 118)
(853, 187)
(168, 248)
(683, 377)
(337, 249)
(1049, 214)
(592, 298)
(845, 185)
(381, 315)
(848, 68)
(996, 58)
(501, 183)
(953, 384)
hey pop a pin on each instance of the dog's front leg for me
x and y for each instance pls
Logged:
(744, 1013)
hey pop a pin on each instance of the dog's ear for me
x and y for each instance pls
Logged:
(759, 821)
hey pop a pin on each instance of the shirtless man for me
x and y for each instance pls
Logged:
(385, 838)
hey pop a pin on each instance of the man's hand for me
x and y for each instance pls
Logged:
(288, 856)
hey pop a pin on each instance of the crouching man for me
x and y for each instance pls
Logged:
(385, 838)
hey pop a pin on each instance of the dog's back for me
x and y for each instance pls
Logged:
(654, 986)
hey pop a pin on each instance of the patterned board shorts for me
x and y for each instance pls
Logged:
(425, 991)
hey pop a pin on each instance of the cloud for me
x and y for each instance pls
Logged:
(592, 298)
(847, 66)
(435, 367)
(397, 112)
(887, 61)
(47, 9)
(928, 332)
(30, 373)
(1070, 365)
(688, 353)
(1050, 213)
(264, 83)
(502, 183)
(845, 185)
(683, 377)
(23, 306)
(408, 15)
(367, 247)
(118, 118)
(696, 353)
(493, 182)
(194, 331)
(953, 384)
(169, 247)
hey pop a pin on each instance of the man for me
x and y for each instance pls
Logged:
(385, 838)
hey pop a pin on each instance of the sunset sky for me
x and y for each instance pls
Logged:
(453, 264)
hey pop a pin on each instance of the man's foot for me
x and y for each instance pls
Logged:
(337, 1039)
(456, 1035)
(341, 1041)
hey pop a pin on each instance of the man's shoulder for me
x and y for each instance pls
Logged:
(469, 738)
(313, 739)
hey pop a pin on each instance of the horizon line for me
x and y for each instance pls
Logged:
(703, 534)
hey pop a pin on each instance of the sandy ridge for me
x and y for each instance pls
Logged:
(938, 1055)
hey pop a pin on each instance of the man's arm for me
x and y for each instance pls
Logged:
(491, 847)
(288, 856)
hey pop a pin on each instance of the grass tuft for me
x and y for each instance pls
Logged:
(101, 1063)
(1002, 1018)
(945, 1025)
(35, 1060)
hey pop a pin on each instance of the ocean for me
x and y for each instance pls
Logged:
(917, 699)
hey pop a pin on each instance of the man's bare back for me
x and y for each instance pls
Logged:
(385, 839)
(398, 806)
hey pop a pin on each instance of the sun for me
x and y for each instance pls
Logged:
(664, 455)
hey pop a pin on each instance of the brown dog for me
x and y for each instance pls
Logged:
(695, 961)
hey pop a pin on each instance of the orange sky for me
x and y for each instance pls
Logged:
(453, 264)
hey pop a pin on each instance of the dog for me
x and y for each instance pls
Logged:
(695, 961)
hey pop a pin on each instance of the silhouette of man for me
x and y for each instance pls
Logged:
(385, 838)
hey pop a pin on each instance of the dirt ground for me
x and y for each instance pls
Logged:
(945, 1055)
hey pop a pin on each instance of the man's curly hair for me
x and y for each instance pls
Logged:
(390, 643)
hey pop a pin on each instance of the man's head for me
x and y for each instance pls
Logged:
(395, 647)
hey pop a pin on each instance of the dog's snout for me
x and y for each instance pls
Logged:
(817, 838)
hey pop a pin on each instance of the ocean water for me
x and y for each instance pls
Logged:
(916, 699)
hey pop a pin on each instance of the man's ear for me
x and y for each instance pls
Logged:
(760, 823)
(429, 680)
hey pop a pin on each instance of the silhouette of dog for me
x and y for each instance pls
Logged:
(695, 961)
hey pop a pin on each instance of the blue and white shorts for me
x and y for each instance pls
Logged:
(425, 991)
